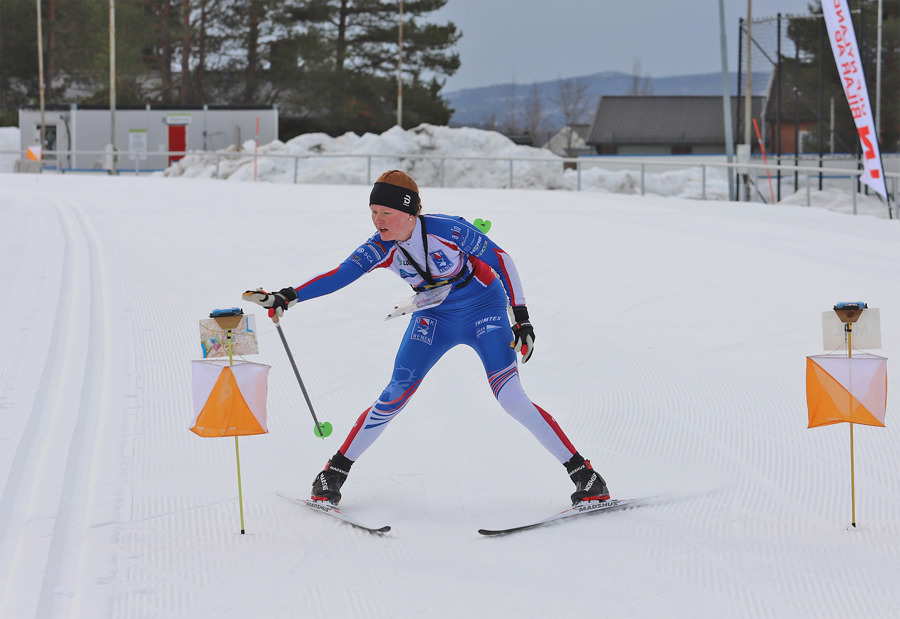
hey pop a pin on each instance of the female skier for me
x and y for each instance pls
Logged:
(445, 257)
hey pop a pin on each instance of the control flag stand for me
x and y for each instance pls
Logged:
(849, 388)
(229, 400)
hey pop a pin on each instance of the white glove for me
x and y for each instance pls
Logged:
(275, 302)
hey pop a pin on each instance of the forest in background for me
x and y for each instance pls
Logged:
(329, 65)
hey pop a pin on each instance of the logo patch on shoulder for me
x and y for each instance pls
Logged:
(423, 329)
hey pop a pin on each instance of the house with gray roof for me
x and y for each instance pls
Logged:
(666, 125)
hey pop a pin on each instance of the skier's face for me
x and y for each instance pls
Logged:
(391, 224)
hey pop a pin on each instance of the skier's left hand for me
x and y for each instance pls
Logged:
(523, 333)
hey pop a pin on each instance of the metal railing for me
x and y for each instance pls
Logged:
(439, 163)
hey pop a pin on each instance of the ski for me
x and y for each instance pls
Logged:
(333, 510)
(581, 509)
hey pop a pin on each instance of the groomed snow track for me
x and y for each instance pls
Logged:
(43, 506)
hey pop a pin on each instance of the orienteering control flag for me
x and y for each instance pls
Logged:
(229, 400)
(846, 389)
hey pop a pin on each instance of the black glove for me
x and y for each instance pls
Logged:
(523, 333)
(275, 302)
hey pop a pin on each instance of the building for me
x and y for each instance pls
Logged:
(793, 117)
(666, 125)
(146, 138)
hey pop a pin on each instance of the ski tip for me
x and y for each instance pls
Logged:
(501, 532)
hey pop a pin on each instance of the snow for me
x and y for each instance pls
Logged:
(9, 141)
(672, 336)
(475, 158)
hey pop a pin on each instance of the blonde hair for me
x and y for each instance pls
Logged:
(401, 179)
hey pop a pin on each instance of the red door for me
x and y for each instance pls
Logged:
(177, 141)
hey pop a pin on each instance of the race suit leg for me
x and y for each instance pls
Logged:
(427, 338)
(490, 335)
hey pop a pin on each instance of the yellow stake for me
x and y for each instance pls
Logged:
(237, 453)
(849, 327)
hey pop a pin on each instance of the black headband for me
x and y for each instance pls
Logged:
(396, 197)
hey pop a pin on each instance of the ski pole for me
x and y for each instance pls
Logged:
(322, 429)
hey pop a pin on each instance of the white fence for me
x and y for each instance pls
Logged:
(503, 172)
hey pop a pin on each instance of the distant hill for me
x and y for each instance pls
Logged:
(477, 106)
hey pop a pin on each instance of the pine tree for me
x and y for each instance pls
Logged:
(347, 54)
(812, 41)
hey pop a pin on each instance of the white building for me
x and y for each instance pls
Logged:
(146, 139)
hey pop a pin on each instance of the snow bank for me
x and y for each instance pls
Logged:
(9, 141)
(466, 157)
(344, 159)
(434, 156)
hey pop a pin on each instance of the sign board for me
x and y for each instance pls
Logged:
(866, 331)
(214, 338)
(137, 144)
(177, 119)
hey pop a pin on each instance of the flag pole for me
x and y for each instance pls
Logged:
(237, 456)
(849, 327)
(237, 451)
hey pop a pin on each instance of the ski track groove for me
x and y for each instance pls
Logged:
(740, 437)
(17, 518)
(730, 546)
(17, 369)
(45, 508)
(202, 529)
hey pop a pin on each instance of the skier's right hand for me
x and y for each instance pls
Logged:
(275, 302)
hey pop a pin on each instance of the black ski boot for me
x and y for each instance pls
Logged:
(327, 484)
(589, 485)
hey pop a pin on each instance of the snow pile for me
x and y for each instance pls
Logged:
(420, 150)
(9, 141)
(465, 157)
(434, 156)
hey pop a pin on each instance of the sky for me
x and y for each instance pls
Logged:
(672, 345)
(538, 40)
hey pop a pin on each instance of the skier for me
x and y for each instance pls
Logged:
(478, 280)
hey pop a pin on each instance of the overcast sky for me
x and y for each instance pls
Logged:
(529, 41)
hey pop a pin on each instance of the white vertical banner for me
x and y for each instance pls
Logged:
(850, 68)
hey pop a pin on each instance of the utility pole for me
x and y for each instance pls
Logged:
(112, 83)
(748, 96)
(400, 69)
(878, 76)
(726, 101)
(40, 42)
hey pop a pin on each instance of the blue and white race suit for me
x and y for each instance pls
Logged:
(483, 279)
